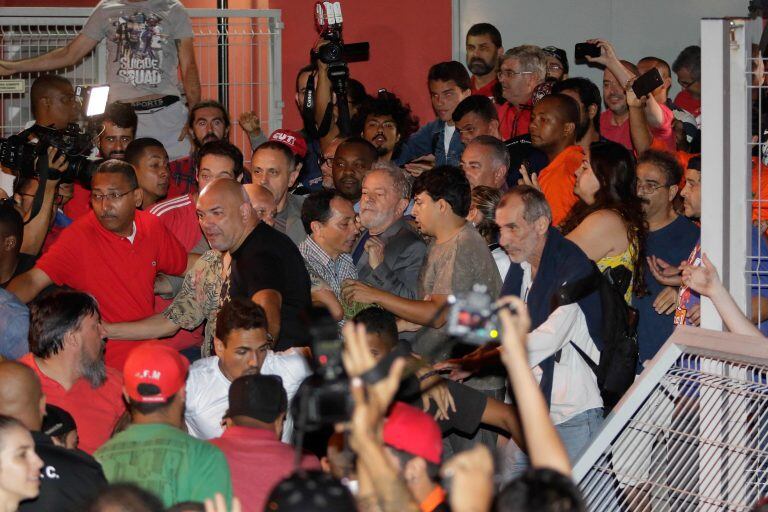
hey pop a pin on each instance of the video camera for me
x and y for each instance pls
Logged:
(335, 54)
(20, 152)
(473, 316)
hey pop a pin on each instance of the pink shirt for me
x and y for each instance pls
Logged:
(621, 133)
(257, 462)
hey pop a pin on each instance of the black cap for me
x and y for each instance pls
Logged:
(261, 397)
(559, 55)
(57, 421)
(310, 491)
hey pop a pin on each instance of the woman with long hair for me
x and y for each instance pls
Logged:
(482, 213)
(608, 222)
(19, 465)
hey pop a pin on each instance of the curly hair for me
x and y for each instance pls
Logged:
(388, 104)
(614, 168)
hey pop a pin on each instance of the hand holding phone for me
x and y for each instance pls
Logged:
(646, 83)
(584, 50)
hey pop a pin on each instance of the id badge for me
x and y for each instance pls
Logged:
(680, 314)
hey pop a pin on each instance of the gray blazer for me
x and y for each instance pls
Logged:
(404, 253)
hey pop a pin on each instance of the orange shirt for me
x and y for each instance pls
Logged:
(759, 191)
(434, 500)
(557, 181)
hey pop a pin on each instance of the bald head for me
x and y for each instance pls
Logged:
(225, 214)
(565, 108)
(263, 202)
(21, 396)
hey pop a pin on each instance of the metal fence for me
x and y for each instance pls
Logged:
(238, 54)
(691, 434)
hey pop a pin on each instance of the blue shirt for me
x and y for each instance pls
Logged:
(429, 141)
(14, 326)
(672, 243)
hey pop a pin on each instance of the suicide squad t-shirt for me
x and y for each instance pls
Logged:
(141, 45)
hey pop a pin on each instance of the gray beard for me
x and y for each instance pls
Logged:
(95, 372)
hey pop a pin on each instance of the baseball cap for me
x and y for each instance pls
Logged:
(57, 421)
(559, 54)
(411, 430)
(153, 373)
(261, 397)
(293, 140)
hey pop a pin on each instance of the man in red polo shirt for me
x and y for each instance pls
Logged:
(687, 67)
(483, 51)
(66, 340)
(521, 69)
(114, 253)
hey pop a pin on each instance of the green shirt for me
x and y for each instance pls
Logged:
(165, 460)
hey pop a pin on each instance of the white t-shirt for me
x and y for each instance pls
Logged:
(447, 136)
(208, 391)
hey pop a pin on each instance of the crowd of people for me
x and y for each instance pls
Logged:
(176, 324)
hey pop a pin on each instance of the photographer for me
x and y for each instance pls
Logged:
(146, 47)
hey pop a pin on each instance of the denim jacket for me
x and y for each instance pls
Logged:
(429, 141)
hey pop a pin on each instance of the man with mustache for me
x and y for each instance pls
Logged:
(66, 342)
(114, 253)
(484, 48)
(387, 124)
(150, 160)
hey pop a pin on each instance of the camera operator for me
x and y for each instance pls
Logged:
(147, 46)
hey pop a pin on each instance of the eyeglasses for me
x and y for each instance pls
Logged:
(508, 73)
(647, 188)
(325, 160)
(112, 196)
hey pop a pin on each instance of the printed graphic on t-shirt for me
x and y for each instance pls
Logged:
(141, 39)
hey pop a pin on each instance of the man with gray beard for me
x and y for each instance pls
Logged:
(66, 343)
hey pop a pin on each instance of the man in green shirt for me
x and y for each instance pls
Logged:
(154, 452)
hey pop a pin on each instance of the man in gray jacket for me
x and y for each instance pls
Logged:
(389, 253)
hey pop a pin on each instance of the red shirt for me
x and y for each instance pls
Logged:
(118, 273)
(80, 204)
(257, 462)
(95, 411)
(486, 90)
(179, 216)
(615, 133)
(557, 181)
(686, 101)
(514, 121)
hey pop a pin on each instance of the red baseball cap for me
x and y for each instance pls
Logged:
(153, 373)
(411, 430)
(293, 140)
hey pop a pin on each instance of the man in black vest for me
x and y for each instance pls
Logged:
(542, 261)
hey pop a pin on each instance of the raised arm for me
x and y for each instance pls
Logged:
(63, 57)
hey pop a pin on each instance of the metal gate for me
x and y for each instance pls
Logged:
(238, 55)
(690, 435)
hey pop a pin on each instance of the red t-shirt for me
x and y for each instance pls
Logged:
(557, 181)
(486, 90)
(686, 101)
(95, 411)
(664, 133)
(257, 462)
(514, 121)
(615, 133)
(118, 273)
(80, 204)
(179, 216)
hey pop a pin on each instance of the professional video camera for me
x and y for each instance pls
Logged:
(20, 152)
(473, 316)
(336, 54)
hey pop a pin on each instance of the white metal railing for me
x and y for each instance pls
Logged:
(691, 433)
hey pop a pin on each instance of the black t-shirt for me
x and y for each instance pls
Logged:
(522, 152)
(70, 478)
(269, 260)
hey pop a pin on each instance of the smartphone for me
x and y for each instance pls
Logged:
(647, 83)
(583, 50)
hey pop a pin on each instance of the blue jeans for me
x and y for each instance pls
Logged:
(576, 434)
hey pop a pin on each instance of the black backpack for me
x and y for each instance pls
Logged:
(620, 354)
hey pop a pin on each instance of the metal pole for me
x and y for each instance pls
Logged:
(223, 54)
